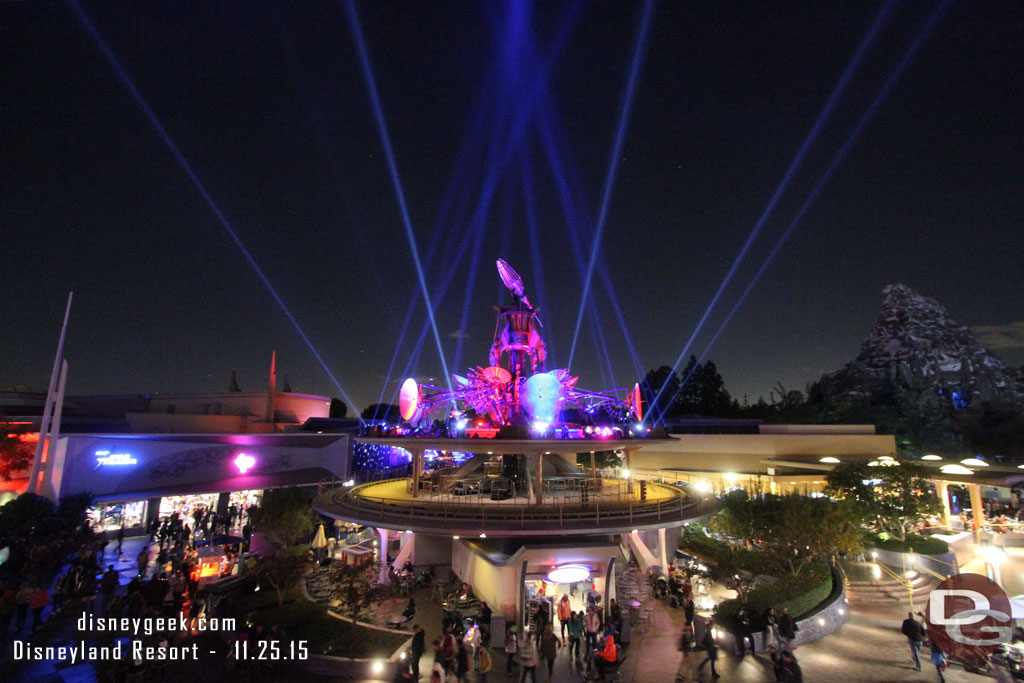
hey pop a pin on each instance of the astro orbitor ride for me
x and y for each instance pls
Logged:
(515, 388)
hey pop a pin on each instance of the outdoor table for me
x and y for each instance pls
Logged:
(397, 620)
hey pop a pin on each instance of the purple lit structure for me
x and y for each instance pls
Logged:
(515, 388)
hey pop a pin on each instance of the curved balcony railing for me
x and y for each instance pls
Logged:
(612, 513)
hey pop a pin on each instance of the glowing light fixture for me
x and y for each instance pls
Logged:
(483, 535)
(569, 573)
(244, 462)
(955, 469)
(994, 555)
(931, 457)
(974, 462)
(829, 459)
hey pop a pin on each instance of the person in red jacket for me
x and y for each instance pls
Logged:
(609, 655)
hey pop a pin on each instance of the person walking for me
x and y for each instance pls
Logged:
(787, 627)
(462, 662)
(528, 660)
(575, 635)
(549, 644)
(939, 660)
(448, 649)
(484, 663)
(615, 616)
(108, 586)
(771, 628)
(564, 612)
(591, 625)
(419, 644)
(789, 670)
(511, 647)
(914, 632)
(744, 632)
(120, 539)
(142, 560)
(776, 657)
(690, 609)
(710, 646)
(687, 667)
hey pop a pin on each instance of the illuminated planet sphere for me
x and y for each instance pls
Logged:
(409, 400)
(542, 396)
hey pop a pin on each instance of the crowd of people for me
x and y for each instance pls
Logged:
(88, 583)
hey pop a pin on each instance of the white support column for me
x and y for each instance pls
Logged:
(417, 468)
(40, 459)
(46, 485)
(661, 549)
(382, 542)
(978, 508)
(942, 490)
(540, 478)
(406, 549)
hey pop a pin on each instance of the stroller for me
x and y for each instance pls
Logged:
(607, 674)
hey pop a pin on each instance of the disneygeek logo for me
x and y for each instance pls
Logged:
(968, 616)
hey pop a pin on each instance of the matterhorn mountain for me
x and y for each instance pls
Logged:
(920, 361)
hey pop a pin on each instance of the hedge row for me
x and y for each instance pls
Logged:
(800, 594)
(925, 545)
(304, 620)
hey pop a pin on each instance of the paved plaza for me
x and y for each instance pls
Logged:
(868, 648)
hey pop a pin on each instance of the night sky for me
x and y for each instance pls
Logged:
(500, 116)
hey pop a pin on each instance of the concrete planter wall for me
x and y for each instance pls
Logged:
(826, 618)
(897, 560)
(346, 667)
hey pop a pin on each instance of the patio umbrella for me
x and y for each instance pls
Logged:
(320, 539)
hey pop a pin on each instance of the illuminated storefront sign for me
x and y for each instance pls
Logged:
(108, 458)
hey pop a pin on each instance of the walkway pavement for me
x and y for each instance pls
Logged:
(868, 648)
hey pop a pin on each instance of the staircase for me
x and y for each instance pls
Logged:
(881, 588)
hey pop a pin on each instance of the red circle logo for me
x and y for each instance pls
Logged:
(969, 616)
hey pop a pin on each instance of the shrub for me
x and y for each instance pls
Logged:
(800, 594)
(304, 620)
(924, 545)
